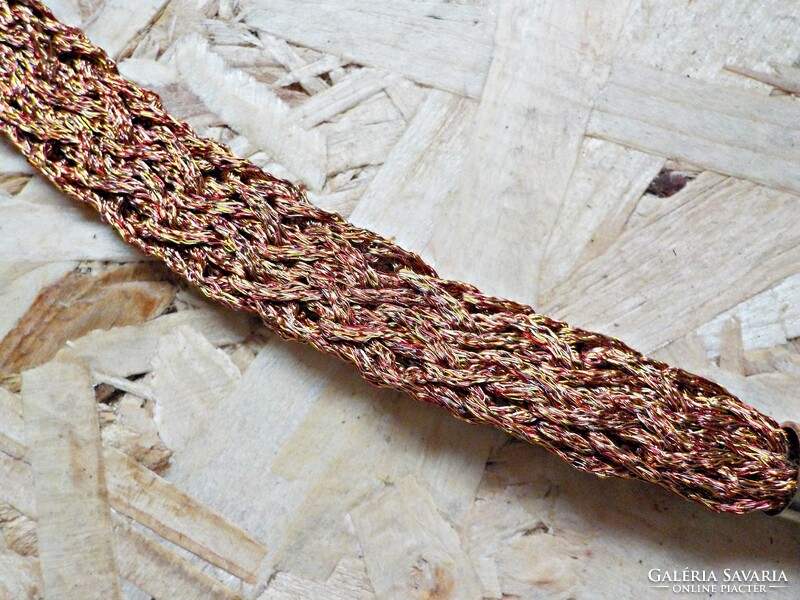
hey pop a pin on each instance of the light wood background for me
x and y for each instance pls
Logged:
(152, 445)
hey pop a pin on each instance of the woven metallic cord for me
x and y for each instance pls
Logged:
(253, 242)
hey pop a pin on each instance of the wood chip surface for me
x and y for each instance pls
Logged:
(626, 165)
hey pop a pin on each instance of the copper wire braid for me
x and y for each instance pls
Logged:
(254, 242)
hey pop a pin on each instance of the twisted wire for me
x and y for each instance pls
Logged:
(253, 242)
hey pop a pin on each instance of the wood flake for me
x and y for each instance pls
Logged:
(779, 359)
(157, 504)
(407, 96)
(19, 577)
(17, 489)
(779, 82)
(78, 304)
(21, 283)
(673, 272)
(445, 45)
(160, 572)
(12, 426)
(47, 233)
(287, 56)
(190, 378)
(348, 582)
(732, 357)
(76, 548)
(119, 22)
(734, 132)
(422, 169)
(549, 61)
(142, 495)
(302, 73)
(379, 438)
(767, 319)
(268, 404)
(409, 550)
(605, 187)
(148, 73)
(251, 108)
(364, 135)
(18, 531)
(699, 39)
(349, 92)
(125, 351)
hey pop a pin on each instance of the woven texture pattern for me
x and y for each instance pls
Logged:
(253, 242)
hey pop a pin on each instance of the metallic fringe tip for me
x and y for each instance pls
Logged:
(792, 509)
(253, 242)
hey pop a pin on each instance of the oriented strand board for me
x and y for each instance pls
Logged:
(550, 60)
(604, 189)
(444, 44)
(650, 288)
(522, 146)
(744, 134)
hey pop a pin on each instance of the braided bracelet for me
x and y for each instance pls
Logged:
(254, 242)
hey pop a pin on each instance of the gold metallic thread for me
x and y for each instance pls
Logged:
(253, 242)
